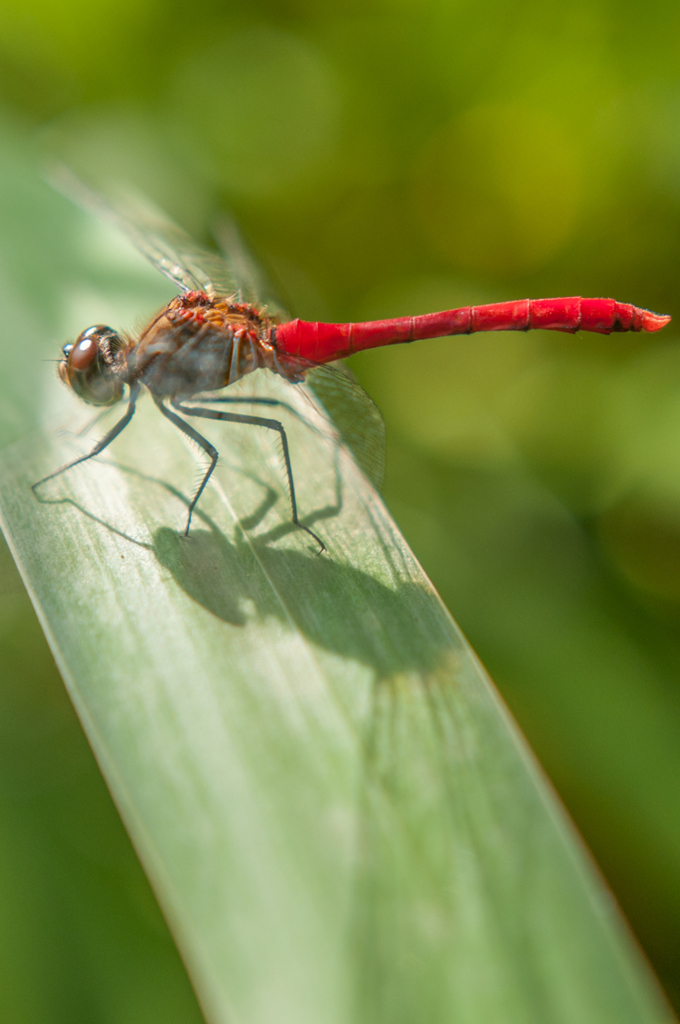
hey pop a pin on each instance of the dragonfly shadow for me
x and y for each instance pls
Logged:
(271, 496)
(42, 500)
(336, 606)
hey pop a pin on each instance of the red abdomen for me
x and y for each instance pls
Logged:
(322, 343)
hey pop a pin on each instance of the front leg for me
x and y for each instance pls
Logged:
(101, 445)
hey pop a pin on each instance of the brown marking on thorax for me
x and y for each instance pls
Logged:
(190, 332)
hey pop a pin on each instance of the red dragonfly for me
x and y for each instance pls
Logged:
(217, 331)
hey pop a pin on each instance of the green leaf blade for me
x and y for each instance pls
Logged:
(339, 818)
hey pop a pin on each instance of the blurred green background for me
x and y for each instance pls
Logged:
(383, 158)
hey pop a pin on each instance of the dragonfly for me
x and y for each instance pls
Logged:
(218, 330)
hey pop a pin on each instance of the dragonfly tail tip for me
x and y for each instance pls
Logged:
(654, 321)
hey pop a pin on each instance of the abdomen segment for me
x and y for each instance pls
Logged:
(322, 343)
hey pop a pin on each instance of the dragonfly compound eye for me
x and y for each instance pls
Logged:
(89, 366)
(83, 354)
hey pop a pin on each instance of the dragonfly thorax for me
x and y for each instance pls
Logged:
(198, 344)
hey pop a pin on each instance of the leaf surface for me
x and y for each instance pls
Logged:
(339, 818)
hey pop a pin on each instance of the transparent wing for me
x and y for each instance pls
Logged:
(191, 267)
(353, 412)
(169, 248)
(253, 283)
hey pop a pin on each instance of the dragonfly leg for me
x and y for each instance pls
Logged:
(223, 399)
(92, 423)
(256, 421)
(101, 445)
(203, 443)
(253, 400)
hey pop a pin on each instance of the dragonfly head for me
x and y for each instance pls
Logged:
(90, 366)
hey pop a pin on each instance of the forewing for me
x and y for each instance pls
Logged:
(167, 246)
(254, 285)
(354, 414)
(191, 267)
